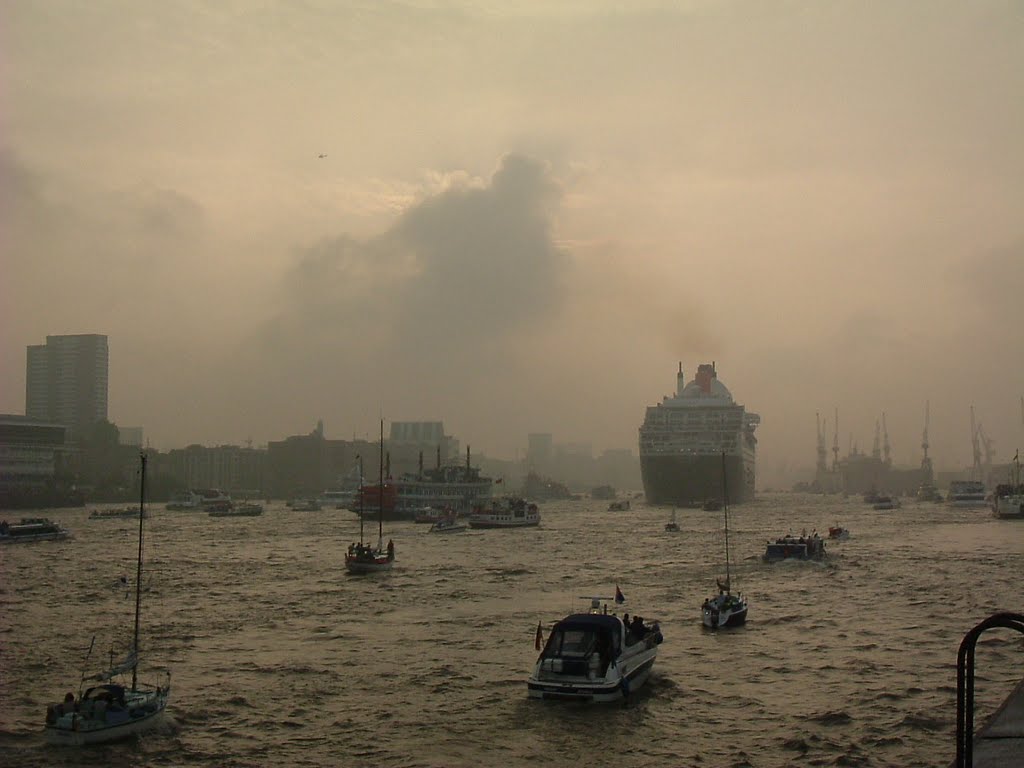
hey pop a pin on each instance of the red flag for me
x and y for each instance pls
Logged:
(539, 638)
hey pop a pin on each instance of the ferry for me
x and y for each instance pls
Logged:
(967, 494)
(509, 512)
(31, 529)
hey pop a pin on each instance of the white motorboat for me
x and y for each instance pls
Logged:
(1008, 498)
(448, 525)
(31, 529)
(110, 711)
(595, 656)
(509, 512)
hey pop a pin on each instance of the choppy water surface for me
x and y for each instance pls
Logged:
(280, 658)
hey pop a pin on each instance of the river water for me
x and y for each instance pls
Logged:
(279, 658)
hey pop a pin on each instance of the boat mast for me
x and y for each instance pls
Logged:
(138, 569)
(359, 458)
(725, 506)
(380, 530)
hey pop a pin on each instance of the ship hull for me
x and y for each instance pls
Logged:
(690, 480)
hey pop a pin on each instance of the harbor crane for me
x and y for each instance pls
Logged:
(926, 462)
(885, 441)
(976, 448)
(835, 444)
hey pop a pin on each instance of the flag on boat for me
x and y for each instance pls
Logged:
(540, 636)
(619, 597)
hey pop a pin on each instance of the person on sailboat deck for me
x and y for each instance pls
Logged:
(637, 628)
(391, 549)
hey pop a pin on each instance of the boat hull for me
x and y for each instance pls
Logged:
(503, 523)
(598, 690)
(73, 730)
(724, 618)
(1009, 507)
(688, 480)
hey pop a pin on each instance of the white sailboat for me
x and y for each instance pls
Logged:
(725, 609)
(110, 710)
(361, 557)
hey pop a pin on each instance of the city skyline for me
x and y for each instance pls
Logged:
(521, 220)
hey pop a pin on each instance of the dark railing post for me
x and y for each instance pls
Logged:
(965, 683)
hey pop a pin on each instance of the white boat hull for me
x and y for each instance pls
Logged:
(618, 683)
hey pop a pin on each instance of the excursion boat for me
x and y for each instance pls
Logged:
(31, 529)
(246, 509)
(110, 711)
(967, 494)
(595, 656)
(795, 548)
(456, 487)
(509, 512)
(448, 525)
(104, 514)
(336, 499)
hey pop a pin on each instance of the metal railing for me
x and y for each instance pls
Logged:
(965, 682)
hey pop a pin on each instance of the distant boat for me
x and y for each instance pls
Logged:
(31, 529)
(672, 526)
(838, 533)
(725, 609)
(104, 514)
(245, 509)
(1008, 499)
(448, 525)
(619, 506)
(969, 494)
(509, 512)
(792, 547)
(361, 557)
(111, 711)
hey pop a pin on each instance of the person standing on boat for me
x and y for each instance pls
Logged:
(391, 549)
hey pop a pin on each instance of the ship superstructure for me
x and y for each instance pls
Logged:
(684, 436)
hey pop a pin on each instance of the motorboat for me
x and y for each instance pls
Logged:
(792, 547)
(245, 509)
(1008, 498)
(595, 656)
(885, 502)
(306, 505)
(619, 506)
(838, 533)
(31, 529)
(508, 512)
(448, 525)
(185, 501)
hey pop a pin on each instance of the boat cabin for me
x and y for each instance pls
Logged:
(582, 645)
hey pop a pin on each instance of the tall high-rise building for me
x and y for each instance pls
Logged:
(66, 381)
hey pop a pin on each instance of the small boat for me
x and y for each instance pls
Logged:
(110, 711)
(509, 512)
(106, 514)
(672, 526)
(245, 509)
(884, 502)
(594, 656)
(361, 557)
(711, 505)
(724, 609)
(185, 501)
(1008, 498)
(448, 525)
(838, 533)
(306, 505)
(792, 547)
(431, 514)
(31, 529)
(619, 506)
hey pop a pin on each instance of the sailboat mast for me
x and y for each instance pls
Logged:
(380, 530)
(359, 458)
(138, 569)
(725, 506)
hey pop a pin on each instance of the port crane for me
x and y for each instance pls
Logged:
(885, 441)
(976, 448)
(926, 462)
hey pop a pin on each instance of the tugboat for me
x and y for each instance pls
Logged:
(595, 656)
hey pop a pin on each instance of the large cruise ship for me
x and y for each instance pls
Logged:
(684, 436)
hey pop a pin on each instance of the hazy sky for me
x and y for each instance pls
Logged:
(528, 214)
